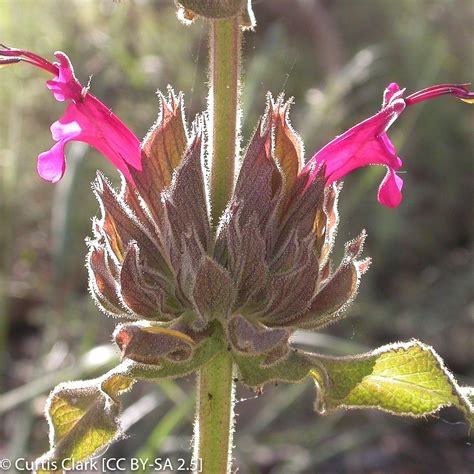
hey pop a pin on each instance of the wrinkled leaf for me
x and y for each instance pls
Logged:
(254, 371)
(83, 419)
(404, 379)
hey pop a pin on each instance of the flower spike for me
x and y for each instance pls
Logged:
(86, 119)
(367, 143)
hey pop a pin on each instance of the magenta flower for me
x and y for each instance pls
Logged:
(86, 119)
(368, 144)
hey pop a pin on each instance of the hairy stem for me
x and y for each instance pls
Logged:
(215, 400)
(225, 44)
(215, 416)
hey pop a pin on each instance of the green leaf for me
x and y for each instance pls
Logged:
(83, 418)
(404, 379)
(253, 372)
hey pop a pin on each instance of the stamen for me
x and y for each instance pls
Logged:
(30, 58)
(460, 91)
(8, 62)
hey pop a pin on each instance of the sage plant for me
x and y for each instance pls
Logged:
(212, 272)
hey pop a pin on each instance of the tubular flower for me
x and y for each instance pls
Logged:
(367, 143)
(86, 119)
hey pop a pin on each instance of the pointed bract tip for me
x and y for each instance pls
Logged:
(364, 265)
(265, 124)
(100, 183)
(354, 248)
(280, 107)
(170, 103)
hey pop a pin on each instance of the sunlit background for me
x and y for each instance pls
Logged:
(335, 57)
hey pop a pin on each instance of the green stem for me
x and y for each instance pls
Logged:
(215, 397)
(225, 45)
(214, 428)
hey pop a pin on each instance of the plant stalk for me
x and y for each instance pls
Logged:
(225, 46)
(214, 424)
(213, 431)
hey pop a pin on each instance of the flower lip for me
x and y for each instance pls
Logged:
(65, 85)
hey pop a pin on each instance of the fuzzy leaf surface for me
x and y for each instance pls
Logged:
(254, 372)
(83, 418)
(407, 379)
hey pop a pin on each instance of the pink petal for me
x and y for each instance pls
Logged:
(122, 142)
(67, 126)
(65, 86)
(390, 191)
(389, 92)
(91, 122)
(86, 119)
(51, 164)
(366, 143)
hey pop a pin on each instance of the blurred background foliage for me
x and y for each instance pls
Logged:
(335, 58)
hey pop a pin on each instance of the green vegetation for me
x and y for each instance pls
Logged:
(335, 58)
